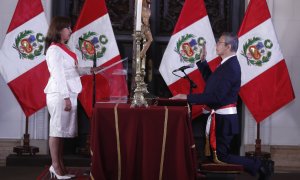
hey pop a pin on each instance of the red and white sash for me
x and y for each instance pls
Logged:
(211, 121)
(67, 50)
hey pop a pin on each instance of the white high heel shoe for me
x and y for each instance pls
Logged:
(71, 175)
(53, 173)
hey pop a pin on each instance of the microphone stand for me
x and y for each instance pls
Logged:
(192, 85)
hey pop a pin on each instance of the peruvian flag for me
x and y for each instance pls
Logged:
(93, 33)
(23, 64)
(266, 85)
(191, 31)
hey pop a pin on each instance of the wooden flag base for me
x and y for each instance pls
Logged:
(20, 150)
(26, 148)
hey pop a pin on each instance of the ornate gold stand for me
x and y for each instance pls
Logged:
(141, 87)
(142, 38)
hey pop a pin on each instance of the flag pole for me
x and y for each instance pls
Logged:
(94, 65)
(86, 150)
(26, 148)
(94, 78)
(258, 140)
(257, 152)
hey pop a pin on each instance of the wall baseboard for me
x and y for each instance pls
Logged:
(6, 148)
(7, 145)
(287, 158)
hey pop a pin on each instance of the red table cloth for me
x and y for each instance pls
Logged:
(141, 143)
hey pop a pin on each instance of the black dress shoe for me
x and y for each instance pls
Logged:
(269, 164)
(266, 169)
(262, 174)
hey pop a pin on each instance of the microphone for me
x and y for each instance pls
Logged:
(184, 67)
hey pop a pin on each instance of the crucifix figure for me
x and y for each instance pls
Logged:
(146, 31)
(143, 40)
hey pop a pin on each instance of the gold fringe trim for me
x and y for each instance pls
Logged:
(207, 147)
(118, 140)
(163, 144)
(215, 158)
(91, 152)
(92, 177)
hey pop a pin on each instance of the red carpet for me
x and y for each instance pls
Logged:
(82, 173)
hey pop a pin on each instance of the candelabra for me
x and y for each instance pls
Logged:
(141, 87)
(142, 37)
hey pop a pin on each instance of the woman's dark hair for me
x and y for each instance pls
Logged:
(53, 35)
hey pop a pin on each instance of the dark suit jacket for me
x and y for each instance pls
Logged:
(222, 88)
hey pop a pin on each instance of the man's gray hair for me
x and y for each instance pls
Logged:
(231, 39)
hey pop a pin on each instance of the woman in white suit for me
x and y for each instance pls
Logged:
(62, 90)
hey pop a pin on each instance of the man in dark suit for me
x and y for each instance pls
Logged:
(220, 96)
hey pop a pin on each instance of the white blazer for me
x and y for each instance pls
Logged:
(64, 73)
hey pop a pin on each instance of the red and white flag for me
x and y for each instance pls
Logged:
(191, 31)
(23, 64)
(266, 85)
(93, 33)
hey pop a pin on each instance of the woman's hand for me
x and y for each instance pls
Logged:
(94, 70)
(68, 105)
